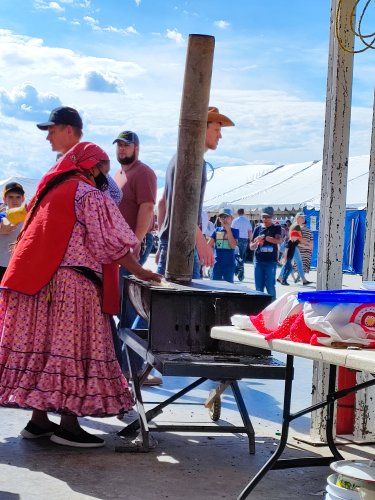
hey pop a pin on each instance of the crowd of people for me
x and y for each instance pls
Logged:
(271, 244)
(63, 260)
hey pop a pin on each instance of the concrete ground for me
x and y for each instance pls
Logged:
(182, 466)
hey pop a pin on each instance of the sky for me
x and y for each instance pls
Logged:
(121, 63)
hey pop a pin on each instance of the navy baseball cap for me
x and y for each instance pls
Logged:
(268, 211)
(64, 115)
(128, 137)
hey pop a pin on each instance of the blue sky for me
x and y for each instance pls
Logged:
(121, 64)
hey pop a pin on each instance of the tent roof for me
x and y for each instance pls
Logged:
(285, 187)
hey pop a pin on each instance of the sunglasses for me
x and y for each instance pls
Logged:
(266, 217)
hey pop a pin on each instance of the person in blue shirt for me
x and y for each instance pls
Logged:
(224, 240)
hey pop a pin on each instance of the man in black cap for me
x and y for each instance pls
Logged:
(138, 184)
(265, 242)
(64, 128)
(65, 131)
(14, 197)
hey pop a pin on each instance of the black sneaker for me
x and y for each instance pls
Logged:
(33, 431)
(306, 282)
(81, 440)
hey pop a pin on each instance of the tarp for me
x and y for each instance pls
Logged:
(285, 187)
(354, 238)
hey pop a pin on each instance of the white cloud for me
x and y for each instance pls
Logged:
(27, 103)
(95, 25)
(222, 24)
(175, 35)
(97, 81)
(138, 3)
(41, 4)
(281, 122)
(91, 21)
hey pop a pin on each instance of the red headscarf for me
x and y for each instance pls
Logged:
(81, 157)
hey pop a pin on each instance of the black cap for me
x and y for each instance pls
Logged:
(128, 137)
(62, 116)
(13, 187)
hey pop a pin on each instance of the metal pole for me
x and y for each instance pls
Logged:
(190, 151)
(334, 181)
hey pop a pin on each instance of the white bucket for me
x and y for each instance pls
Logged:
(335, 492)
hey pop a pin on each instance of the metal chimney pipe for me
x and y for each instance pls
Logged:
(189, 161)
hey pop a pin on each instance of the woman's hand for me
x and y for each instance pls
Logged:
(132, 265)
(147, 275)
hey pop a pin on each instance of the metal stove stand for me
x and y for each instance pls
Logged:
(227, 369)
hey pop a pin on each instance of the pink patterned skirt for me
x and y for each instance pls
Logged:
(56, 350)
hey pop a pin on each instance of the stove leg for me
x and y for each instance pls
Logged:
(244, 415)
(145, 444)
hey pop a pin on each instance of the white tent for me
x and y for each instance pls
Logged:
(285, 187)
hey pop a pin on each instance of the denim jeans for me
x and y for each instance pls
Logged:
(220, 272)
(146, 248)
(286, 270)
(163, 246)
(242, 247)
(128, 319)
(298, 260)
(265, 277)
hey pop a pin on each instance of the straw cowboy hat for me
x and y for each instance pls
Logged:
(214, 116)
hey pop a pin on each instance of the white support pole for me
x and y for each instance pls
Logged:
(364, 421)
(334, 181)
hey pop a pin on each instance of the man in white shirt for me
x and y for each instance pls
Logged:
(243, 224)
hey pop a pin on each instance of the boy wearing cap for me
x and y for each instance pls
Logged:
(224, 239)
(14, 197)
(295, 237)
(265, 241)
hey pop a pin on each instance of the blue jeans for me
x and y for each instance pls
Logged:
(163, 261)
(265, 277)
(242, 247)
(220, 272)
(298, 260)
(286, 270)
(281, 249)
(128, 319)
(146, 248)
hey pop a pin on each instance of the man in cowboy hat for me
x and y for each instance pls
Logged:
(203, 255)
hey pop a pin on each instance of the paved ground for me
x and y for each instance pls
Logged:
(182, 466)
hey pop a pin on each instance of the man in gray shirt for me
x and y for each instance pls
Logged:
(203, 254)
